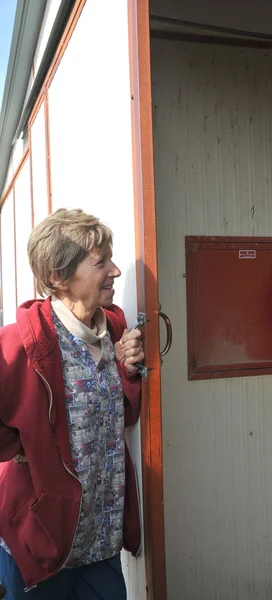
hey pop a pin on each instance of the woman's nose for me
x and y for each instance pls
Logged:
(114, 271)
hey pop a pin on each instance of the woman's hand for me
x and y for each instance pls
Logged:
(130, 349)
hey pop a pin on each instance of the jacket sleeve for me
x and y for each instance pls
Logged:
(10, 443)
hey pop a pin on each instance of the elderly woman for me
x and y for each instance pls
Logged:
(68, 501)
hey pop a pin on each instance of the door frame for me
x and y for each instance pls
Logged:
(146, 271)
(147, 296)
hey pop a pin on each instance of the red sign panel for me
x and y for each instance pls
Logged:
(229, 306)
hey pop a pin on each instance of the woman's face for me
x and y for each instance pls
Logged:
(92, 283)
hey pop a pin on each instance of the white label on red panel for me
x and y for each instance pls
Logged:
(247, 253)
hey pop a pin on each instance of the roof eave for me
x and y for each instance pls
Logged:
(27, 24)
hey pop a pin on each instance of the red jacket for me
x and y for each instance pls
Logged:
(40, 499)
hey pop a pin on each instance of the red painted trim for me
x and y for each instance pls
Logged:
(36, 107)
(31, 196)
(47, 151)
(11, 184)
(207, 241)
(147, 289)
(229, 374)
(15, 249)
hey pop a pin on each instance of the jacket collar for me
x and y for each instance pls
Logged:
(37, 331)
(36, 327)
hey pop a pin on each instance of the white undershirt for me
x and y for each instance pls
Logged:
(91, 336)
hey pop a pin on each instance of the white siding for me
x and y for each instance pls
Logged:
(91, 168)
(91, 158)
(39, 174)
(23, 226)
(49, 17)
(17, 154)
(8, 261)
(213, 127)
(8, 177)
(15, 159)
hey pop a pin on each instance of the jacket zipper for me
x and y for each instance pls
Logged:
(50, 394)
(68, 470)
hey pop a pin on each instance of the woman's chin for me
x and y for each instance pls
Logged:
(107, 297)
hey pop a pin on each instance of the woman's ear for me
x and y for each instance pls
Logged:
(58, 285)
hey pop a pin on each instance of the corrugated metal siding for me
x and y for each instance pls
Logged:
(212, 129)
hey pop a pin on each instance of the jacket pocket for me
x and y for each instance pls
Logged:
(41, 525)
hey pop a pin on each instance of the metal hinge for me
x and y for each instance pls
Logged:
(142, 370)
(141, 319)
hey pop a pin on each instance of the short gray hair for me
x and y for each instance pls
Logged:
(60, 242)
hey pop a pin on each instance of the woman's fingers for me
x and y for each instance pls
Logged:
(136, 358)
(129, 349)
(130, 336)
(134, 350)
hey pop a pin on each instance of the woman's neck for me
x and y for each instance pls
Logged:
(79, 310)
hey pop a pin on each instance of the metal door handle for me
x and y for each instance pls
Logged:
(168, 326)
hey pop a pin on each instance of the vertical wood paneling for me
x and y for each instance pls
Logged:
(212, 137)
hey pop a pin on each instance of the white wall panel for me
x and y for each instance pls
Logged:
(15, 159)
(8, 261)
(17, 154)
(8, 177)
(23, 227)
(50, 14)
(91, 157)
(90, 131)
(213, 130)
(39, 173)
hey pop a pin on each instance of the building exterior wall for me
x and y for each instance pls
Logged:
(80, 156)
(37, 135)
(22, 230)
(50, 14)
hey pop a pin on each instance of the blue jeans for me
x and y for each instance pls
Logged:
(98, 581)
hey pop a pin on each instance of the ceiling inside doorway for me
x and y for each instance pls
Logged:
(239, 18)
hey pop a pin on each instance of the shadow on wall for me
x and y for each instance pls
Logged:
(129, 297)
(133, 434)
